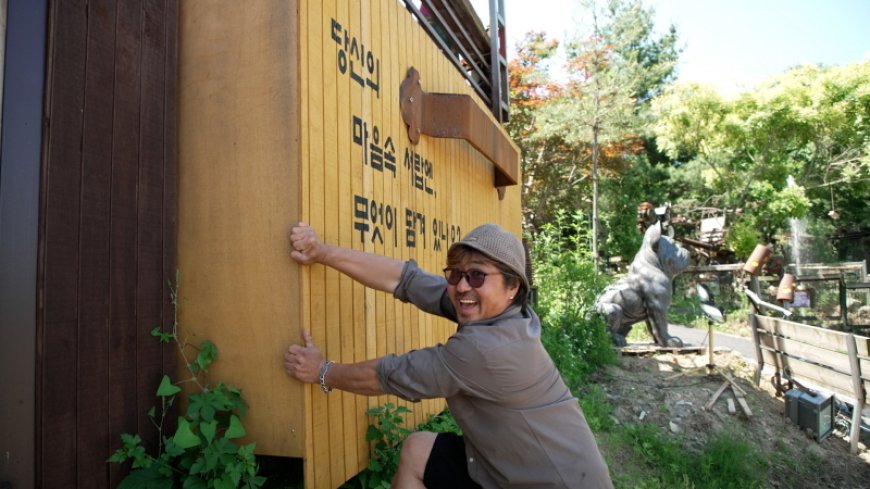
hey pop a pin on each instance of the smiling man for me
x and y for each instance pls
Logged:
(521, 425)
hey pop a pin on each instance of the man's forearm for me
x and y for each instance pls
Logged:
(359, 378)
(372, 270)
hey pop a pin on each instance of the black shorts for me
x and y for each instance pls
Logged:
(447, 466)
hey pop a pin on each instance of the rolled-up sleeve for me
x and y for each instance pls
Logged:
(434, 372)
(425, 290)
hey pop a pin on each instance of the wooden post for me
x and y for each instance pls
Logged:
(857, 387)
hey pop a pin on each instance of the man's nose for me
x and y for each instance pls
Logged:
(463, 285)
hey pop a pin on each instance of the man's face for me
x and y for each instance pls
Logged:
(489, 299)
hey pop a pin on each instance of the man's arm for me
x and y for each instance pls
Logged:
(303, 363)
(375, 271)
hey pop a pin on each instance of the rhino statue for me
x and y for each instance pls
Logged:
(645, 293)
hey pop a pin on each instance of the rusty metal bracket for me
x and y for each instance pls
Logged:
(457, 116)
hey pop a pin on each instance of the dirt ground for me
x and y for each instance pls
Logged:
(671, 391)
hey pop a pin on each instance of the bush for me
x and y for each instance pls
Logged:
(573, 333)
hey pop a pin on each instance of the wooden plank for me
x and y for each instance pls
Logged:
(123, 263)
(819, 376)
(92, 404)
(58, 272)
(798, 348)
(863, 345)
(149, 245)
(170, 183)
(330, 233)
(305, 215)
(731, 408)
(316, 175)
(823, 338)
(864, 366)
(744, 406)
(716, 395)
(351, 22)
(353, 416)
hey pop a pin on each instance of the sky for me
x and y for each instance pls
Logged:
(729, 44)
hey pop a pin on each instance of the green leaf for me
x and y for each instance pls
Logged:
(158, 333)
(208, 430)
(184, 437)
(235, 470)
(207, 354)
(119, 457)
(145, 479)
(171, 449)
(224, 483)
(198, 466)
(167, 388)
(194, 482)
(236, 430)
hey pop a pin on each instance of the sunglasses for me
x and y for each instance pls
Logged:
(474, 278)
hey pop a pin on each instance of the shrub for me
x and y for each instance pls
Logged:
(573, 333)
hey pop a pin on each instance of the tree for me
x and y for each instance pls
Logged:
(811, 124)
(614, 68)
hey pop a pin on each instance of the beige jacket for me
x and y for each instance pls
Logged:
(522, 426)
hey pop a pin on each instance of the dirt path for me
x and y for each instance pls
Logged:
(671, 390)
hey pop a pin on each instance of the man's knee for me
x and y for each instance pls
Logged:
(416, 450)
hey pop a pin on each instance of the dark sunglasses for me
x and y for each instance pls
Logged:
(474, 278)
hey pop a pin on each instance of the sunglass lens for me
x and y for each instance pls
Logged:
(454, 277)
(475, 278)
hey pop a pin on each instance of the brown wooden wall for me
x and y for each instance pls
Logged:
(107, 232)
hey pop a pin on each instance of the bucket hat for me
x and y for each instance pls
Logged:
(499, 245)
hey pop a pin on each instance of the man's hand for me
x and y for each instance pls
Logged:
(305, 246)
(303, 362)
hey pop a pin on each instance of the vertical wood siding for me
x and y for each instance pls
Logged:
(107, 232)
(355, 201)
(282, 106)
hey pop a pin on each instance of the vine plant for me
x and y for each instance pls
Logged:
(201, 453)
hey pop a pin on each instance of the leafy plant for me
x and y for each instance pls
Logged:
(443, 422)
(387, 436)
(201, 452)
(572, 332)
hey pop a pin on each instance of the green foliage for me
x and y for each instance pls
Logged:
(742, 236)
(620, 196)
(201, 452)
(387, 435)
(443, 422)
(811, 123)
(727, 461)
(573, 333)
(598, 412)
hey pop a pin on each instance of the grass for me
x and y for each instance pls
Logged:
(645, 456)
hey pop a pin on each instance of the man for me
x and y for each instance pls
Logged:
(521, 425)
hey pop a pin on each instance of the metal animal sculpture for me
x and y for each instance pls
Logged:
(645, 293)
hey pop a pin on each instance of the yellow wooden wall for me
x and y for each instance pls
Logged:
(267, 136)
